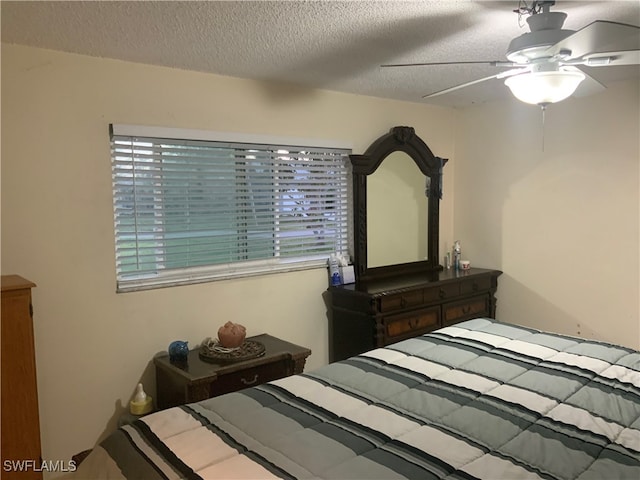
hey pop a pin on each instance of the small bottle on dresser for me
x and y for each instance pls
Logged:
(334, 270)
(457, 253)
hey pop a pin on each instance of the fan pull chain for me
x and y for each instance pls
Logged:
(543, 106)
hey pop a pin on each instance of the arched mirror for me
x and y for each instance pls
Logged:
(397, 213)
(397, 190)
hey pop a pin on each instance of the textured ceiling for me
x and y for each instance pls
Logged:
(331, 45)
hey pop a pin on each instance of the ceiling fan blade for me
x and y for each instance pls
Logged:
(599, 36)
(508, 73)
(631, 57)
(589, 86)
(492, 63)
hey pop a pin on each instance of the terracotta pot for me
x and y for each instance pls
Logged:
(231, 335)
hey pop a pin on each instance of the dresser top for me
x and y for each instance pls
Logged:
(416, 280)
(15, 282)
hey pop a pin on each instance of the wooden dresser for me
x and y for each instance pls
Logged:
(368, 315)
(20, 420)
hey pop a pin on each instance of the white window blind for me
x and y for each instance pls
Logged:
(188, 210)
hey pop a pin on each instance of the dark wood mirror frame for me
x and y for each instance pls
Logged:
(398, 139)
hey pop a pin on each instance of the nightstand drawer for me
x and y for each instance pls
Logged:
(250, 377)
(400, 301)
(464, 310)
(408, 325)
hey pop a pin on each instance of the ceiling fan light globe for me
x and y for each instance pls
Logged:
(541, 88)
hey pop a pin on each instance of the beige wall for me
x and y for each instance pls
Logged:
(92, 345)
(560, 214)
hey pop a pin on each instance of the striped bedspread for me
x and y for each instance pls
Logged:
(480, 399)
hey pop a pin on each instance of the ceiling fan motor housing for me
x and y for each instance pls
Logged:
(546, 30)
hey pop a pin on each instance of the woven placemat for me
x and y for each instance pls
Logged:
(249, 349)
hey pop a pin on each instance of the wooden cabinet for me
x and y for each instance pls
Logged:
(198, 380)
(377, 313)
(20, 420)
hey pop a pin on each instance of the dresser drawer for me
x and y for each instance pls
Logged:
(411, 324)
(443, 292)
(475, 285)
(250, 377)
(455, 312)
(400, 301)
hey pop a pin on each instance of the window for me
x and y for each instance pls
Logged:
(188, 208)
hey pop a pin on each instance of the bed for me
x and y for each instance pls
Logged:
(481, 399)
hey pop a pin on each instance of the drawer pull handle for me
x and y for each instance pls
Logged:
(475, 287)
(442, 293)
(403, 302)
(466, 309)
(249, 382)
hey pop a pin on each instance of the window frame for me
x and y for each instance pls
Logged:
(164, 277)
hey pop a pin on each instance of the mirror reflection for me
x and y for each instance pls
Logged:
(397, 208)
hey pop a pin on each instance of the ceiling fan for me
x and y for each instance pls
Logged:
(543, 63)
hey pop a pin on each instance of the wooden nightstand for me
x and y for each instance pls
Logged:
(198, 380)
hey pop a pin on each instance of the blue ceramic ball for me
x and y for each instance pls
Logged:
(178, 351)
